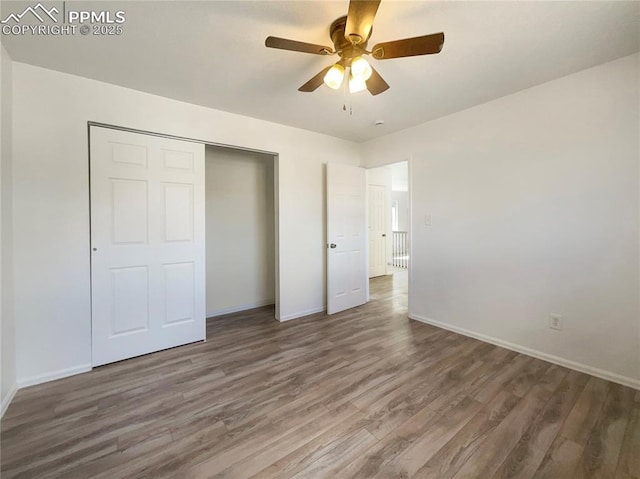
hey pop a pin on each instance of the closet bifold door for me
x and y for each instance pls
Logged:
(147, 243)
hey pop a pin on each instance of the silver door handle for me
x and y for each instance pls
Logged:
(333, 245)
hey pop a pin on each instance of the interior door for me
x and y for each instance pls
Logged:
(377, 231)
(147, 244)
(346, 237)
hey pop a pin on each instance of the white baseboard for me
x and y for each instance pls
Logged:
(583, 368)
(7, 399)
(300, 314)
(237, 309)
(52, 376)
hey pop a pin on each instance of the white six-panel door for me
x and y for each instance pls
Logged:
(377, 231)
(346, 236)
(147, 244)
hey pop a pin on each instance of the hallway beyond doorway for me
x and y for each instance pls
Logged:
(393, 287)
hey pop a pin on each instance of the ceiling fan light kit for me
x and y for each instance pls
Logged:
(360, 68)
(356, 84)
(350, 35)
(334, 77)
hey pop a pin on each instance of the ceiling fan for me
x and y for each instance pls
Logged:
(350, 35)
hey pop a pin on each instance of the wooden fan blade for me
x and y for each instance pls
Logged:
(360, 20)
(375, 83)
(295, 46)
(409, 47)
(315, 82)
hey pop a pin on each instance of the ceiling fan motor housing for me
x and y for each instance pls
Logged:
(345, 48)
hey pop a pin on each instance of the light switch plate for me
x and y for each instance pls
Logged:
(555, 321)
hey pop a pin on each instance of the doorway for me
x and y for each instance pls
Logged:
(400, 216)
(388, 225)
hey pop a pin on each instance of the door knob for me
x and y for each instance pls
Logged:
(332, 245)
(384, 235)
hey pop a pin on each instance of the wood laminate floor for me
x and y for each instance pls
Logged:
(366, 393)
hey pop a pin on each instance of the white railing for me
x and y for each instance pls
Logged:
(400, 249)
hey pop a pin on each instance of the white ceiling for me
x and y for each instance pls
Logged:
(212, 53)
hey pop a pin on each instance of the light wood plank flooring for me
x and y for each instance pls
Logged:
(366, 393)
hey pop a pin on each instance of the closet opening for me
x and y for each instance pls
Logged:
(240, 233)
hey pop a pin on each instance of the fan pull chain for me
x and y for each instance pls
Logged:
(344, 107)
(344, 94)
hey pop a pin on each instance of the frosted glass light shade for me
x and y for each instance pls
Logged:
(361, 69)
(335, 75)
(356, 84)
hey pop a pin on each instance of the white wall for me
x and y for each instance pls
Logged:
(381, 176)
(402, 197)
(240, 230)
(51, 212)
(7, 323)
(534, 199)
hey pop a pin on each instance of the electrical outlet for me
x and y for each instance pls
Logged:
(555, 321)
